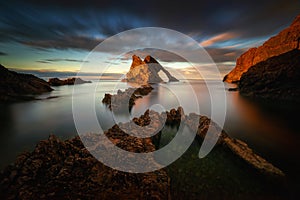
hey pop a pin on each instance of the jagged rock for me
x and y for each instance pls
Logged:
(18, 86)
(174, 116)
(238, 147)
(66, 170)
(242, 150)
(233, 89)
(144, 72)
(201, 125)
(277, 79)
(285, 41)
(68, 81)
(123, 100)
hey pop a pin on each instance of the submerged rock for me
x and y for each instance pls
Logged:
(68, 81)
(16, 87)
(237, 147)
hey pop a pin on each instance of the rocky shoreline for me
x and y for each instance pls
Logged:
(66, 169)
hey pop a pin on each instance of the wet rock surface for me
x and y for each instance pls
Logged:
(16, 87)
(285, 41)
(237, 147)
(276, 79)
(146, 71)
(68, 81)
(66, 169)
(125, 99)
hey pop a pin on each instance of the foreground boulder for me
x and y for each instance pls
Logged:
(66, 170)
(277, 79)
(285, 41)
(16, 87)
(145, 72)
(68, 81)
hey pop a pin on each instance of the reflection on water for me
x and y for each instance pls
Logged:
(24, 124)
(271, 131)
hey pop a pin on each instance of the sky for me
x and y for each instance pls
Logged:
(57, 35)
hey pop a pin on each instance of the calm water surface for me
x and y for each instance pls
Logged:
(272, 135)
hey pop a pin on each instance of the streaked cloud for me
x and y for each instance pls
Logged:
(53, 27)
(61, 60)
(224, 54)
(68, 42)
(3, 53)
(218, 38)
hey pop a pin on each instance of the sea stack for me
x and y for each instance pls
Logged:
(287, 40)
(146, 71)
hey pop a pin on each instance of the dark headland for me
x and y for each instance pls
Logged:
(16, 87)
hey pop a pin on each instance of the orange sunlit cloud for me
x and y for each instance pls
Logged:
(218, 38)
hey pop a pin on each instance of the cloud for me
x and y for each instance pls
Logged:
(71, 42)
(161, 55)
(43, 61)
(51, 73)
(224, 54)
(63, 59)
(3, 54)
(223, 28)
(218, 38)
(59, 20)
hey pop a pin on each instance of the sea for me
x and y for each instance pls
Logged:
(272, 133)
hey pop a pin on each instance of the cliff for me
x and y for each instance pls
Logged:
(18, 87)
(146, 71)
(276, 79)
(285, 41)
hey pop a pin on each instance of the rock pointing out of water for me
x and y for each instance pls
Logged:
(285, 41)
(146, 71)
(68, 81)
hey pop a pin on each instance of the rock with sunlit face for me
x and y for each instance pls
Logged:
(146, 71)
(277, 79)
(285, 41)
